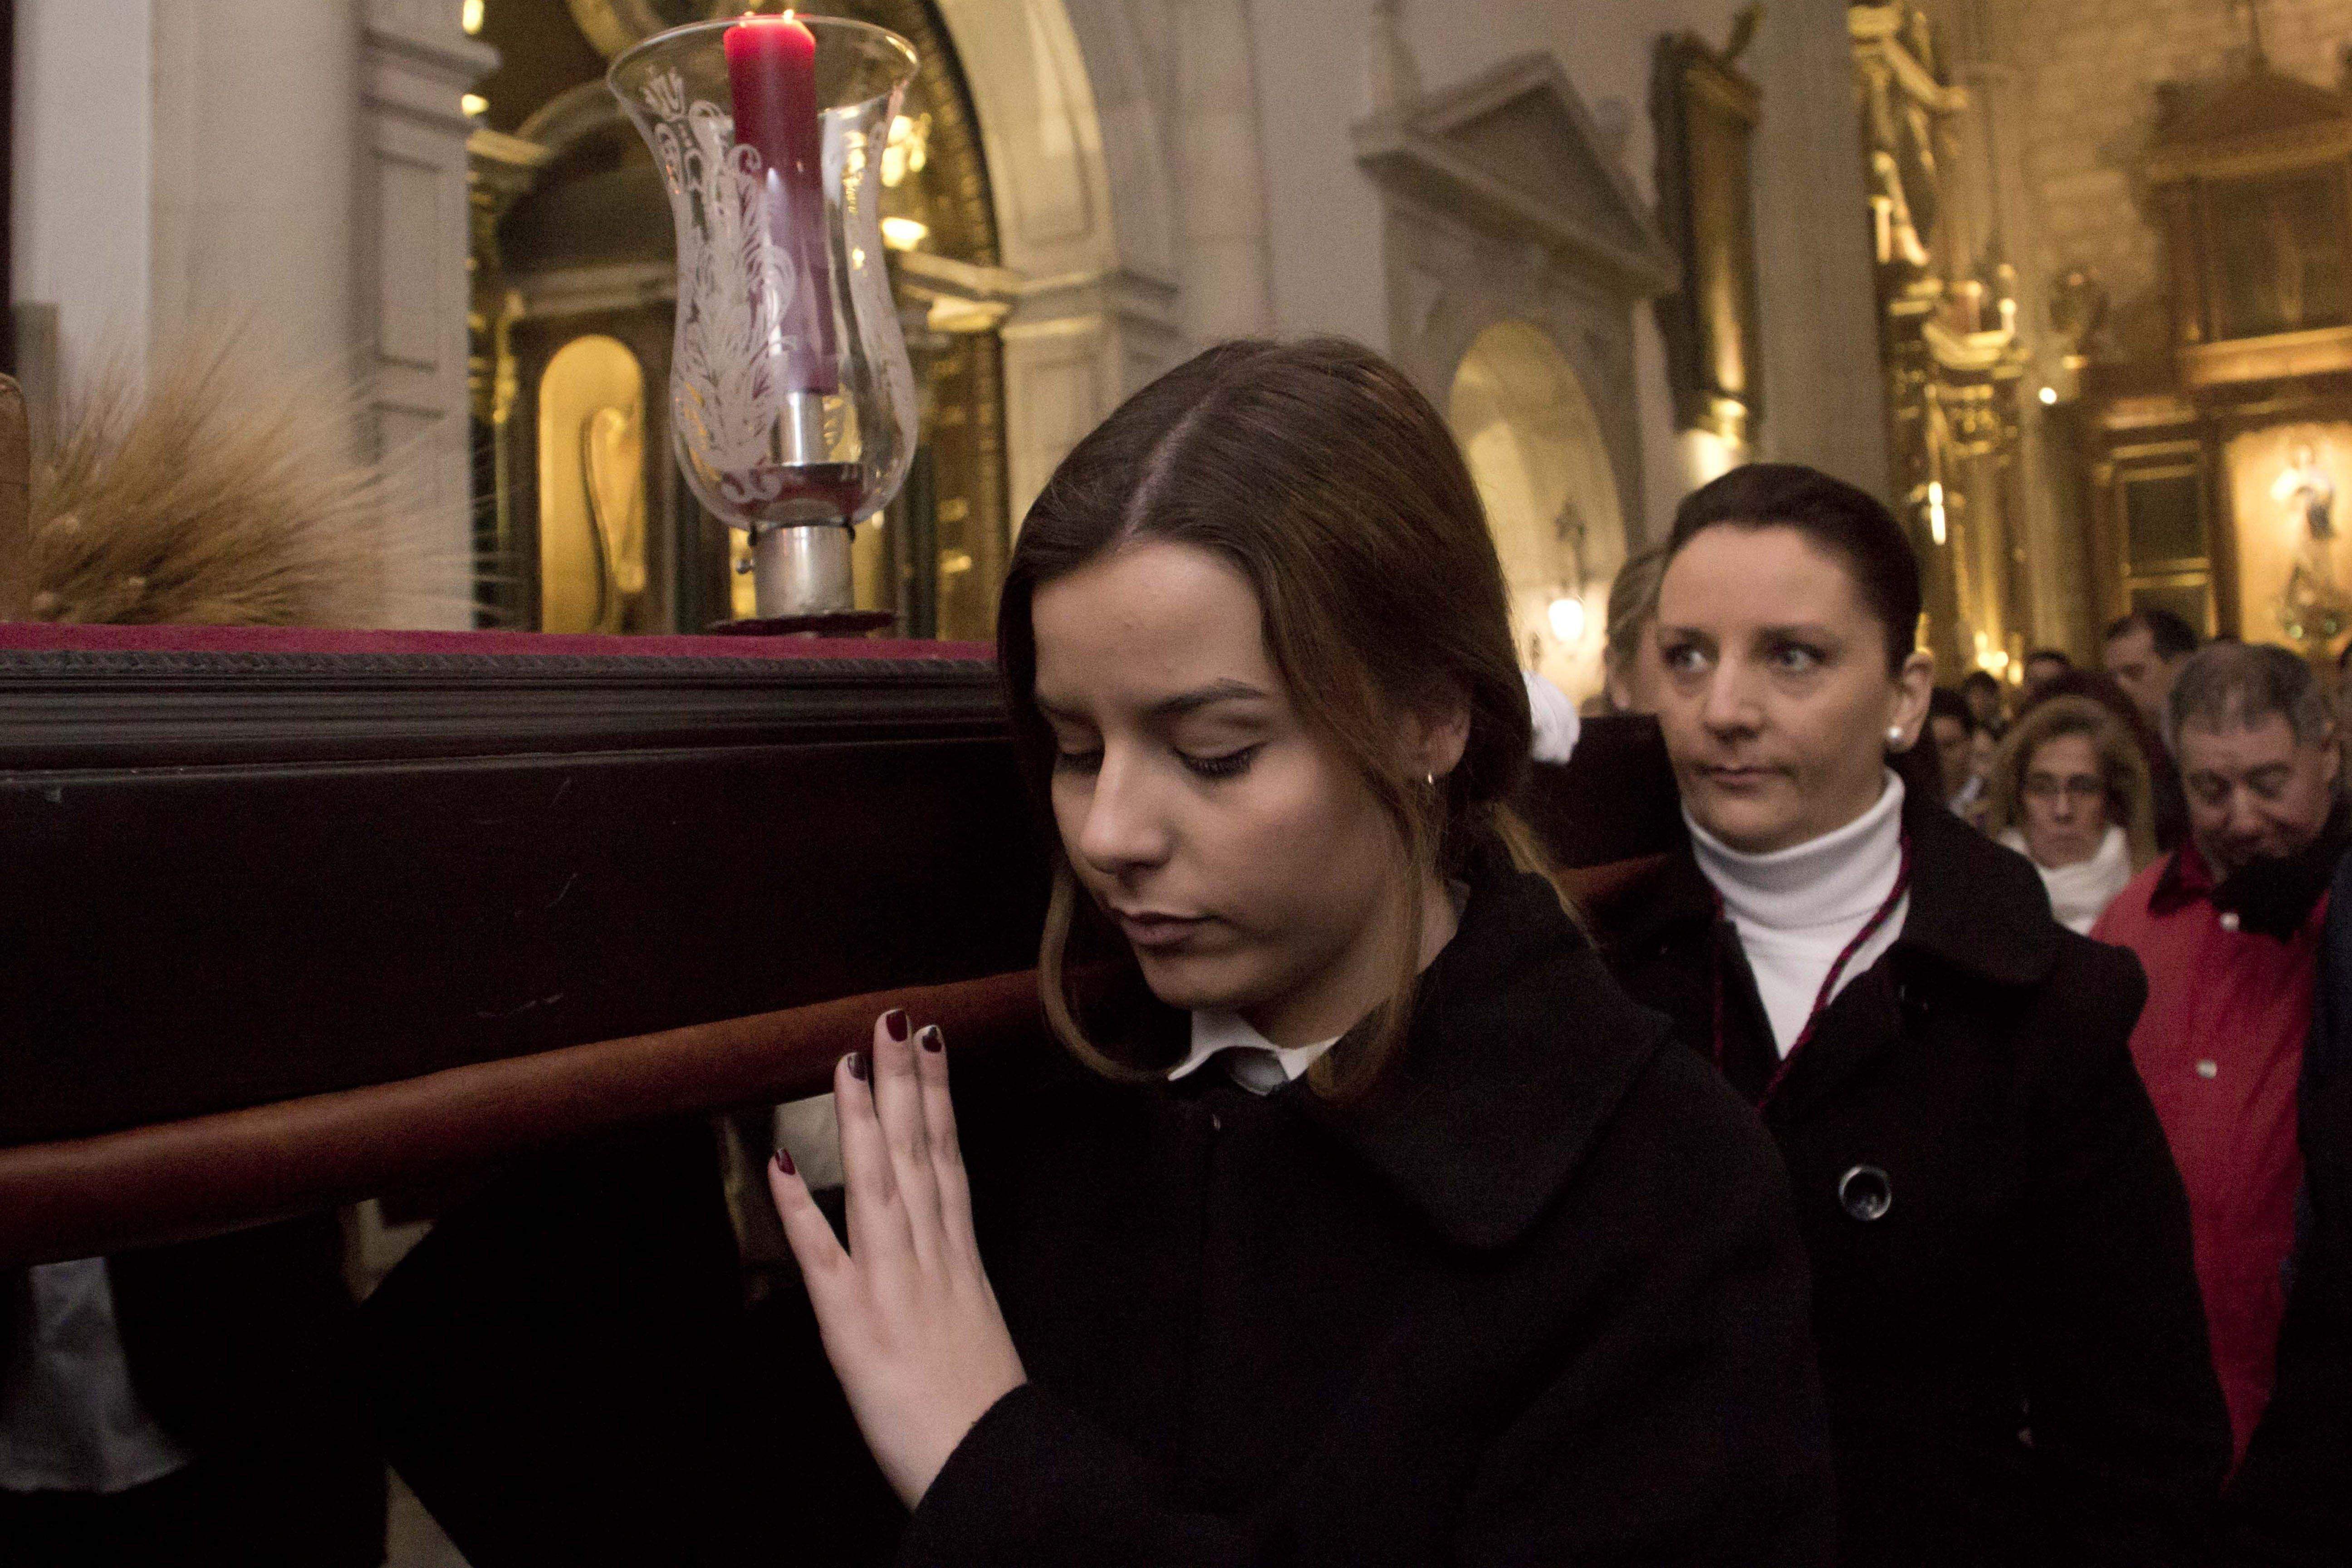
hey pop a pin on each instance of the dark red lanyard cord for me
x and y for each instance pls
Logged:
(1870, 928)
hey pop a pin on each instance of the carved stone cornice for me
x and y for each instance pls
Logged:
(1514, 153)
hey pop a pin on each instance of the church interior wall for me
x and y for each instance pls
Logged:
(1326, 263)
(79, 201)
(1125, 153)
(2093, 70)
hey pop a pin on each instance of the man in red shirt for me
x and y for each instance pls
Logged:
(2228, 929)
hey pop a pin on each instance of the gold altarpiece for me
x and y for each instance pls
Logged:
(581, 514)
(2210, 463)
(1951, 345)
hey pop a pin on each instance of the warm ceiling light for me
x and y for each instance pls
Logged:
(475, 105)
(2049, 396)
(904, 233)
(471, 18)
(1936, 509)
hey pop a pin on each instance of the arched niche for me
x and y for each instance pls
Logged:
(1537, 449)
(1502, 203)
(592, 476)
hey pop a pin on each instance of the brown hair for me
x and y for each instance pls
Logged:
(1321, 474)
(2130, 802)
(1632, 605)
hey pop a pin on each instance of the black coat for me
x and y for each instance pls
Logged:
(2014, 1349)
(2290, 1504)
(1536, 1300)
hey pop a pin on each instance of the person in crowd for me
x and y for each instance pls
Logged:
(1359, 1218)
(1952, 729)
(2288, 1506)
(2170, 808)
(2069, 792)
(2227, 929)
(1632, 605)
(2008, 1317)
(2043, 666)
(1988, 703)
(189, 1403)
(2144, 652)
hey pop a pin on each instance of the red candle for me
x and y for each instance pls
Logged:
(771, 69)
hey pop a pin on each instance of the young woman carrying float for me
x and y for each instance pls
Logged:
(1384, 1229)
(1364, 1222)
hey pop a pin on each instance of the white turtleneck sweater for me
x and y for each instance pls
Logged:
(1796, 908)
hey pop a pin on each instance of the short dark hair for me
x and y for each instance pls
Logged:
(1945, 702)
(2240, 684)
(2047, 655)
(2171, 636)
(1975, 679)
(1833, 515)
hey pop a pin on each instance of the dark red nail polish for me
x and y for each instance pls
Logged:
(931, 1038)
(857, 1068)
(785, 1161)
(894, 1024)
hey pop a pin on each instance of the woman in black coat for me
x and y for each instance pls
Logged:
(1415, 1241)
(2009, 1326)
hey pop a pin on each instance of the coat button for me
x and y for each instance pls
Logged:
(1865, 1192)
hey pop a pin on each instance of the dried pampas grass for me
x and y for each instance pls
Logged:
(208, 491)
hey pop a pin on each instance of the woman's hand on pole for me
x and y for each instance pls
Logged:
(908, 1316)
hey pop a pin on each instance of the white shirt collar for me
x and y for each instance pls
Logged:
(1842, 875)
(1255, 1059)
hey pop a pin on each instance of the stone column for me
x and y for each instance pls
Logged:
(1818, 298)
(412, 238)
(2055, 564)
(255, 123)
(1221, 176)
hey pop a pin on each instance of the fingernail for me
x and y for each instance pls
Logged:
(785, 1161)
(931, 1038)
(857, 1066)
(894, 1023)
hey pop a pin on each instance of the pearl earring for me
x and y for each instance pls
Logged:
(1430, 779)
(1895, 734)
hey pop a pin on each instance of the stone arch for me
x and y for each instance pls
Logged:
(1542, 460)
(1071, 101)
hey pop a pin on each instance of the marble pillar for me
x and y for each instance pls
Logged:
(254, 194)
(1221, 176)
(412, 239)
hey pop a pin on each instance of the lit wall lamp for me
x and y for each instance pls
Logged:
(1567, 617)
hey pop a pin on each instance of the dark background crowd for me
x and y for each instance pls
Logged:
(2182, 801)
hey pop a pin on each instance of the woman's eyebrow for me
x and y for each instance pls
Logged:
(1200, 696)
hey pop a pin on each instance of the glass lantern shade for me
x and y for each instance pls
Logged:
(791, 400)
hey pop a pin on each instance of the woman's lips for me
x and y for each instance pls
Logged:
(1746, 776)
(1152, 928)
